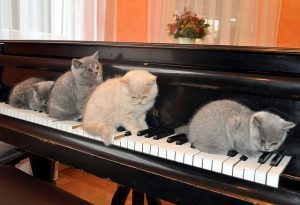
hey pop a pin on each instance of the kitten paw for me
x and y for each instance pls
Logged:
(107, 133)
(107, 141)
(135, 130)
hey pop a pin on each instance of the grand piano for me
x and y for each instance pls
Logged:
(189, 76)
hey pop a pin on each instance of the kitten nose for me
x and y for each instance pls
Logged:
(139, 102)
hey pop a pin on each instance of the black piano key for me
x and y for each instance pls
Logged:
(155, 132)
(127, 133)
(277, 159)
(232, 153)
(121, 129)
(264, 157)
(243, 158)
(162, 135)
(145, 131)
(182, 141)
(175, 138)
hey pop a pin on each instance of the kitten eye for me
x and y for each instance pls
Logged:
(144, 97)
(274, 144)
(97, 67)
(41, 99)
(133, 97)
(262, 141)
(90, 68)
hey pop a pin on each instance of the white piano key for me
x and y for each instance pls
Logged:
(91, 136)
(174, 148)
(85, 134)
(131, 142)
(124, 141)
(147, 144)
(207, 161)
(198, 159)
(154, 150)
(230, 163)
(189, 156)
(179, 157)
(139, 143)
(118, 139)
(117, 142)
(162, 150)
(171, 150)
(217, 162)
(249, 169)
(262, 171)
(250, 164)
(274, 173)
(97, 138)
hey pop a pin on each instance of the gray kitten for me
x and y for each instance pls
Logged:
(224, 125)
(71, 90)
(32, 93)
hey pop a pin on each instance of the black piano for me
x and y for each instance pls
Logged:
(189, 76)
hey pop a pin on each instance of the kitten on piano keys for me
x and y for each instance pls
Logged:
(72, 89)
(224, 125)
(32, 93)
(121, 101)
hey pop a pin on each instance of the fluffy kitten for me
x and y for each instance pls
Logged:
(225, 125)
(121, 101)
(32, 93)
(72, 89)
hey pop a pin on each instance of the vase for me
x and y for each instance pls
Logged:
(185, 40)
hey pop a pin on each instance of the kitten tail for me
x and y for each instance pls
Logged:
(100, 129)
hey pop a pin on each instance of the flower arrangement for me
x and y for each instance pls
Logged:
(188, 25)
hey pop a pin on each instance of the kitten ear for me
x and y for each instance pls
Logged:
(151, 80)
(125, 80)
(257, 119)
(35, 87)
(96, 55)
(50, 84)
(288, 125)
(76, 63)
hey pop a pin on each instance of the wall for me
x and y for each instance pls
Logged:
(132, 20)
(289, 25)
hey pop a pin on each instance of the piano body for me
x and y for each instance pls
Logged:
(188, 77)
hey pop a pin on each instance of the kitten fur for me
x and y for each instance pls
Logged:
(72, 89)
(121, 101)
(32, 93)
(224, 125)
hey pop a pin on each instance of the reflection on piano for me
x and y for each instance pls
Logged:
(159, 162)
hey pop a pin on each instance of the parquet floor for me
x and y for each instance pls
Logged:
(93, 189)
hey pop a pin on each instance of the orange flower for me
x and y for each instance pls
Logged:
(188, 25)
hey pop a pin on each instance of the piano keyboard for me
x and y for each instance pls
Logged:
(263, 169)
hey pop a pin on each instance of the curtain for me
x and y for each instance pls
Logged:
(57, 19)
(232, 22)
(160, 13)
(258, 22)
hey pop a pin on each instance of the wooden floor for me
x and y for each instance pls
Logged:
(93, 189)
